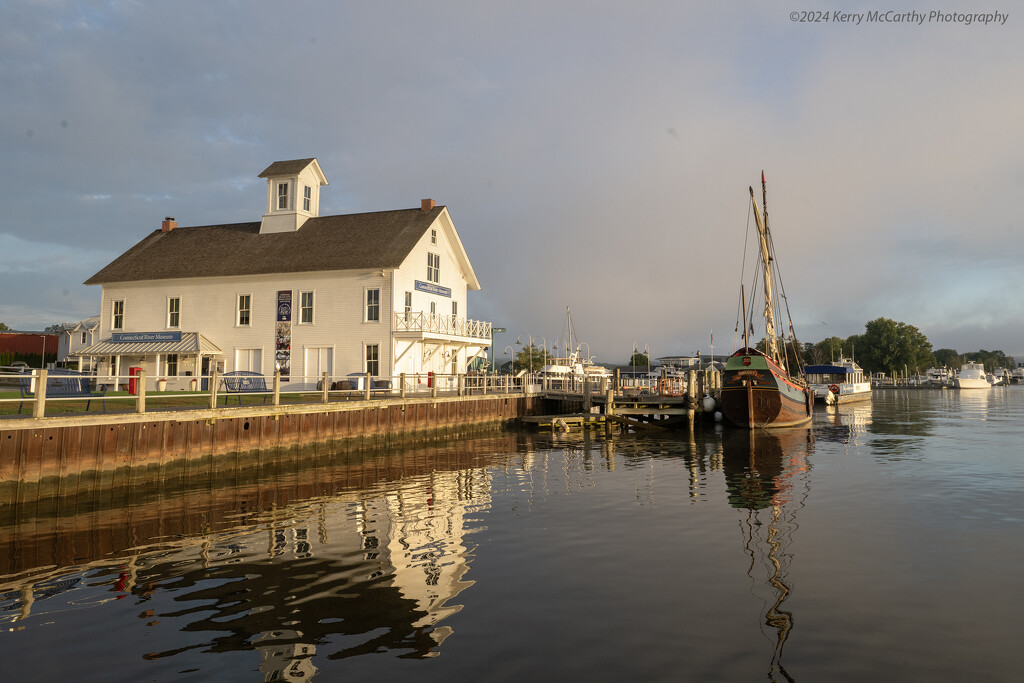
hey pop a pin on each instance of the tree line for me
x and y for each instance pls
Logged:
(896, 348)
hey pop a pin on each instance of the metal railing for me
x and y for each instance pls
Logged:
(441, 324)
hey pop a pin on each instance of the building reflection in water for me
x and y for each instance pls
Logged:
(365, 551)
(767, 474)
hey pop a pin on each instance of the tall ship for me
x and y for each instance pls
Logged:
(838, 383)
(757, 387)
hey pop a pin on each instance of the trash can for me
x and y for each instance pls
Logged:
(133, 381)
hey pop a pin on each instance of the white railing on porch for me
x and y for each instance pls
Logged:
(437, 323)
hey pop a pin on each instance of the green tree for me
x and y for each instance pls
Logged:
(825, 351)
(893, 347)
(530, 358)
(3, 326)
(991, 359)
(639, 359)
(56, 327)
(947, 358)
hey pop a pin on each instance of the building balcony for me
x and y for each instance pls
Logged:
(426, 325)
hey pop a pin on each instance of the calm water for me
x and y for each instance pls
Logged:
(884, 543)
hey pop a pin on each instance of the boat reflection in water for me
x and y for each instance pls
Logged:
(767, 474)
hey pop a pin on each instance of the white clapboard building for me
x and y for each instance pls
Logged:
(381, 293)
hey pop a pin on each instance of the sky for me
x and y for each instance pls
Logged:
(594, 156)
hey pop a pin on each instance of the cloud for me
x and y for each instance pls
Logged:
(595, 155)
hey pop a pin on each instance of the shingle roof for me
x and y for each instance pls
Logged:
(286, 167)
(382, 239)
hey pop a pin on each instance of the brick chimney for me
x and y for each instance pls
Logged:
(168, 224)
(427, 204)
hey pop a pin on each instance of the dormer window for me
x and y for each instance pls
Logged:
(293, 194)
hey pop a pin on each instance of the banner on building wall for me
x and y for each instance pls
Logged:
(283, 342)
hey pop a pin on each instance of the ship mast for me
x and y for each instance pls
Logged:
(766, 260)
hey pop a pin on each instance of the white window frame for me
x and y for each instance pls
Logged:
(408, 305)
(117, 314)
(172, 324)
(283, 197)
(375, 372)
(433, 267)
(455, 309)
(311, 307)
(368, 306)
(239, 309)
(175, 364)
(433, 236)
(307, 197)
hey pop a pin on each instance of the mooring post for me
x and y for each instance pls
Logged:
(140, 401)
(213, 389)
(691, 395)
(507, 379)
(617, 385)
(587, 398)
(277, 387)
(369, 381)
(401, 378)
(433, 385)
(39, 407)
(326, 385)
(459, 381)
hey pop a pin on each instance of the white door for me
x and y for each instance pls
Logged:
(318, 361)
(249, 359)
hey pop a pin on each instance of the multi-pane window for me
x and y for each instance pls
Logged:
(372, 305)
(172, 365)
(244, 309)
(282, 195)
(373, 359)
(117, 315)
(174, 312)
(433, 236)
(433, 268)
(455, 308)
(83, 337)
(307, 197)
(408, 305)
(306, 307)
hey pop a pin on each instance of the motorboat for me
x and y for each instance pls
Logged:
(971, 376)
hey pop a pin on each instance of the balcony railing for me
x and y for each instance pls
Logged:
(436, 323)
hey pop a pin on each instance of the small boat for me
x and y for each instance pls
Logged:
(757, 388)
(972, 376)
(838, 383)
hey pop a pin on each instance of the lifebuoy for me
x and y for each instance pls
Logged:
(834, 388)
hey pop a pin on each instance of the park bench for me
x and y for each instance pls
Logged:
(244, 382)
(61, 383)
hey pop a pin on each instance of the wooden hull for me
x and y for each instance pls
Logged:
(758, 393)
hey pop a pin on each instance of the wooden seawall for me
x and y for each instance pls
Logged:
(40, 457)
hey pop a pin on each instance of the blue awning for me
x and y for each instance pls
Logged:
(828, 370)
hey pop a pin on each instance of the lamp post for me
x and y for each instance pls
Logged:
(519, 343)
(510, 352)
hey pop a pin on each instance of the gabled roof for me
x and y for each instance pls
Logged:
(286, 167)
(382, 239)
